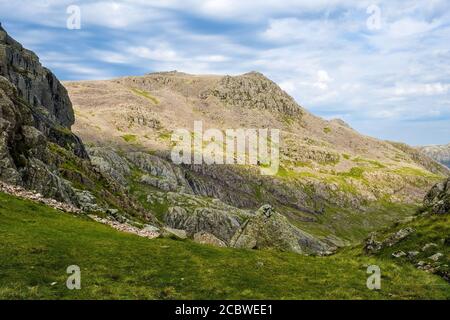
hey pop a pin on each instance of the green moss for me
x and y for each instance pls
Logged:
(374, 163)
(146, 95)
(355, 172)
(346, 156)
(130, 138)
(165, 135)
(327, 130)
(414, 172)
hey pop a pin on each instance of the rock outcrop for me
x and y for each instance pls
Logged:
(41, 92)
(35, 111)
(268, 229)
(253, 90)
(437, 199)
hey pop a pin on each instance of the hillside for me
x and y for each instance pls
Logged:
(440, 153)
(39, 243)
(333, 183)
(424, 240)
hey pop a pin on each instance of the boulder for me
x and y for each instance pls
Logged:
(171, 232)
(208, 238)
(269, 229)
(437, 199)
(436, 256)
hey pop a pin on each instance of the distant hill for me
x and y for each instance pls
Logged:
(440, 153)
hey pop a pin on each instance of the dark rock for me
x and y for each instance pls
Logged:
(437, 199)
(39, 91)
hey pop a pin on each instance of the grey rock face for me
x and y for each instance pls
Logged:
(254, 90)
(40, 92)
(216, 222)
(438, 198)
(110, 163)
(34, 110)
(23, 154)
(269, 229)
(35, 84)
(160, 173)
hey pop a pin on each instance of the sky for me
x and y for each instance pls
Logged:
(381, 66)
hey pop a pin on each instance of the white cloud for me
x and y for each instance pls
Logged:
(159, 53)
(429, 89)
(323, 79)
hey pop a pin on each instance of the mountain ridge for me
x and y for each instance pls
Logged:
(439, 153)
(333, 186)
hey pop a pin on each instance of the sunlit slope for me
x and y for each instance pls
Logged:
(38, 244)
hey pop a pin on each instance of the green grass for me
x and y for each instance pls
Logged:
(165, 135)
(427, 229)
(146, 95)
(374, 163)
(355, 172)
(130, 138)
(415, 172)
(38, 244)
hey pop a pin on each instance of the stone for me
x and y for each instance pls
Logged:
(436, 256)
(398, 254)
(429, 246)
(266, 210)
(208, 238)
(151, 228)
(412, 254)
(178, 233)
(262, 231)
(437, 199)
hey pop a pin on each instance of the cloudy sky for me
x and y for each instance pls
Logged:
(382, 66)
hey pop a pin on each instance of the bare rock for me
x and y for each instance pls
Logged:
(208, 238)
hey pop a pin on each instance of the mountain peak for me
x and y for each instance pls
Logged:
(254, 90)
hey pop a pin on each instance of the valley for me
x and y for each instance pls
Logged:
(87, 178)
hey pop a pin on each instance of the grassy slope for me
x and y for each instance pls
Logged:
(428, 229)
(38, 243)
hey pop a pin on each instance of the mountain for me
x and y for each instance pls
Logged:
(71, 174)
(440, 153)
(333, 186)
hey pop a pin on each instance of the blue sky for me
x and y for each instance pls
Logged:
(382, 66)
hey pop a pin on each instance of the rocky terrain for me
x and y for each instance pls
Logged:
(440, 153)
(333, 187)
(424, 240)
(333, 184)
